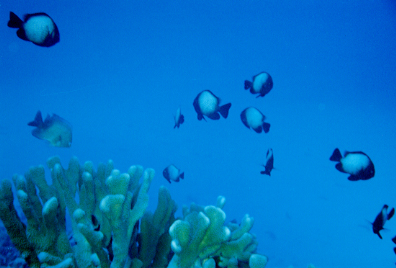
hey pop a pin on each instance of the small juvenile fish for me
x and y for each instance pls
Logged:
(253, 118)
(381, 219)
(357, 164)
(179, 118)
(269, 165)
(172, 173)
(262, 84)
(37, 28)
(206, 103)
(54, 129)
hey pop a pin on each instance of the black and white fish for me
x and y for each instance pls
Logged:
(172, 173)
(37, 28)
(357, 164)
(179, 118)
(206, 103)
(381, 219)
(54, 129)
(269, 165)
(262, 84)
(253, 118)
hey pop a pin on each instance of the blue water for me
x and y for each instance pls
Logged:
(122, 68)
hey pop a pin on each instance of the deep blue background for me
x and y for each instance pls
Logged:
(122, 68)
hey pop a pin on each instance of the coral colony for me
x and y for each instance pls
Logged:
(110, 224)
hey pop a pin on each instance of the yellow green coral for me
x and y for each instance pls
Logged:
(110, 224)
(202, 236)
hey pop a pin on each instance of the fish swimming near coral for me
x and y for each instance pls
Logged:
(54, 129)
(37, 28)
(262, 84)
(207, 104)
(179, 118)
(381, 219)
(357, 164)
(172, 173)
(253, 118)
(269, 165)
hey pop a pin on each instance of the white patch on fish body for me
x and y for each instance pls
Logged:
(178, 113)
(254, 117)
(208, 103)
(269, 154)
(37, 28)
(352, 163)
(258, 82)
(173, 172)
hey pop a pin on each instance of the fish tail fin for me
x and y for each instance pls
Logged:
(266, 127)
(182, 175)
(38, 120)
(224, 109)
(336, 156)
(248, 84)
(394, 239)
(391, 213)
(15, 21)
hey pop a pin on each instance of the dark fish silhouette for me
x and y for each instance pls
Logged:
(253, 118)
(37, 28)
(269, 165)
(54, 129)
(172, 173)
(357, 164)
(381, 219)
(262, 84)
(179, 118)
(206, 103)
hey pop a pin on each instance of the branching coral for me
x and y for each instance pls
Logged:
(202, 239)
(110, 225)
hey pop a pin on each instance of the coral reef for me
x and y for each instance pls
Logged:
(110, 226)
(201, 239)
(9, 255)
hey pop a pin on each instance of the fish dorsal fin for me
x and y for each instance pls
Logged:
(28, 16)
